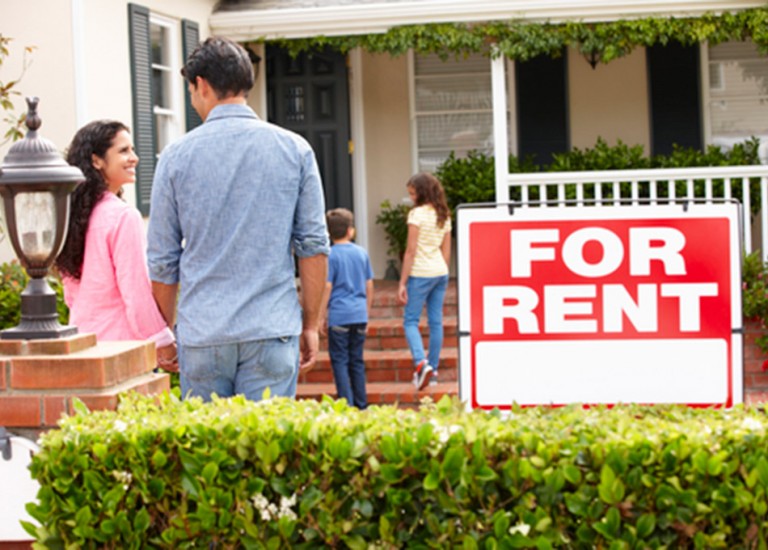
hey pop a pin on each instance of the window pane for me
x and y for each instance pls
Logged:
(450, 93)
(159, 45)
(738, 92)
(453, 107)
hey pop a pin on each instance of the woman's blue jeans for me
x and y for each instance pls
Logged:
(429, 291)
(345, 348)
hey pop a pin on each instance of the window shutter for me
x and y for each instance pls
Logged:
(674, 83)
(143, 115)
(190, 38)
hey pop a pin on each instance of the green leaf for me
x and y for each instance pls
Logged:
(646, 523)
(141, 521)
(431, 481)
(611, 489)
(79, 407)
(159, 459)
(210, 471)
(572, 474)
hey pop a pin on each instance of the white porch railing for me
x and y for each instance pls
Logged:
(747, 184)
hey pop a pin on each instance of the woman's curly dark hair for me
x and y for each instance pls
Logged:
(94, 138)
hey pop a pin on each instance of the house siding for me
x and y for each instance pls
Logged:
(609, 101)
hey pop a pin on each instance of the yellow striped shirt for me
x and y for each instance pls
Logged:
(429, 261)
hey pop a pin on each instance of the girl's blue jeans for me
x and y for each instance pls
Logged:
(429, 291)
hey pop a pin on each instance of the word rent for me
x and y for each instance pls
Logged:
(570, 308)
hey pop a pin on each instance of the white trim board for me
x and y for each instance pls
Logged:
(339, 20)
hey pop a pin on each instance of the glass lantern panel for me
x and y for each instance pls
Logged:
(36, 224)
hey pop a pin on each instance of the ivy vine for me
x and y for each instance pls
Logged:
(518, 40)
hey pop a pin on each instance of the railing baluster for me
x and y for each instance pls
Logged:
(533, 189)
(764, 216)
(747, 202)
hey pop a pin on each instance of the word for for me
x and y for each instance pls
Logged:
(570, 308)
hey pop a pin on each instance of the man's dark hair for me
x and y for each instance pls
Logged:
(224, 64)
(339, 222)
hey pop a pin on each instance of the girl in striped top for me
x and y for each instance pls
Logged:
(424, 276)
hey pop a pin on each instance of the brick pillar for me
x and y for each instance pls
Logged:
(40, 378)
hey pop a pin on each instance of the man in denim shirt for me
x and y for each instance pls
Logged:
(232, 202)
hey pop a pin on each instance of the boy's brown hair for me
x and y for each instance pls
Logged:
(339, 222)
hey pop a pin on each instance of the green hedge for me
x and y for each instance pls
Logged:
(13, 280)
(303, 474)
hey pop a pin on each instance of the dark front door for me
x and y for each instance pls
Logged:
(309, 95)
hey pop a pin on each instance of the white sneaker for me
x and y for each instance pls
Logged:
(433, 379)
(422, 375)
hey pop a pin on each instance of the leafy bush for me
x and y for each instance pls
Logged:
(395, 222)
(302, 474)
(13, 280)
(471, 179)
(754, 293)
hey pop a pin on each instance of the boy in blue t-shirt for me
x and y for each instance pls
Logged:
(348, 296)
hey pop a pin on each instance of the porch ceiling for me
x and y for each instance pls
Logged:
(267, 19)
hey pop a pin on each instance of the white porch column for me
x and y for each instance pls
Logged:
(500, 133)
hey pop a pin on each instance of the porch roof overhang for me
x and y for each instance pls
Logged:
(248, 21)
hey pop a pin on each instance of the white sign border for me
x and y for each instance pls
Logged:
(466, 215)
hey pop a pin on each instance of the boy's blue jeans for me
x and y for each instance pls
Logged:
(345, 347)
(429, 291)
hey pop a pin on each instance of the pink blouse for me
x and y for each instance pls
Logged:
(113, 297)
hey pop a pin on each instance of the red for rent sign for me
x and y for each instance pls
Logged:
(600, 305)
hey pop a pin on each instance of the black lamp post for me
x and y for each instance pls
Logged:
(35, 183)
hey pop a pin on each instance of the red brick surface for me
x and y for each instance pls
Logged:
(20, 411)
(97, 367)
(54, 407)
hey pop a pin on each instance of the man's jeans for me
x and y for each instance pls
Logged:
(429, 291)
(345, 347)
(246, 368)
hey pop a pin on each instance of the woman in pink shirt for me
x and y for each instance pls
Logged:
(103, 261)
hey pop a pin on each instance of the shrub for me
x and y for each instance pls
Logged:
(754, 293)
(13, 280)
(471, 179)
(395, 222)
(301, 474)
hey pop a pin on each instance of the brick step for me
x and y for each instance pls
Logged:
(384, 366)
(386, 304)
(402, 394)
(396, 312)
(388, 334)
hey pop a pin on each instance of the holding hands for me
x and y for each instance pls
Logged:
(168, 358)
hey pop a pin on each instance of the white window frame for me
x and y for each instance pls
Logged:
(169, 119)
(414, 114)
(706, 99)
